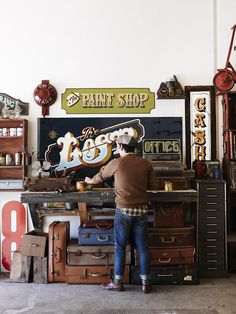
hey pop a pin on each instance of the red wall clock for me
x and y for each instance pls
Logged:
(45, 95)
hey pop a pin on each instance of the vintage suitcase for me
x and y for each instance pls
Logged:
(95, 236)
(92, 255)
(93, 274)
(59, 235)
(169, 256)
(168, 275)
(101, 224)
(171, 237)
(168, 215)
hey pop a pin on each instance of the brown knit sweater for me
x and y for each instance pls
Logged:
(133, 176)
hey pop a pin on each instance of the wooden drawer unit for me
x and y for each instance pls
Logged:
(212, 254)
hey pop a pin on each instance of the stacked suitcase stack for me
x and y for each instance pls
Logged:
(90, 258)
(172, 248)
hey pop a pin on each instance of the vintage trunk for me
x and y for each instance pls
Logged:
(100, 224)
(59, 234)
(92, 255)
(168, 275)
(92, 274)
(94, 236)
(168, 215)
(171, 237)
(169, 256)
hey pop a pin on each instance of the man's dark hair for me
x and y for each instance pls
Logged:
(128, 149)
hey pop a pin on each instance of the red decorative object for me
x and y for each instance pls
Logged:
(225, 78)
(12, 230)
(45, 95)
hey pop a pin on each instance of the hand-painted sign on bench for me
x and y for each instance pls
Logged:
(85, 144)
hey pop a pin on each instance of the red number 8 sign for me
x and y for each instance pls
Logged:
(13, 227)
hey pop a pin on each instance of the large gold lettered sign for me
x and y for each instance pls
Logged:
(200, 123)
(108, 100)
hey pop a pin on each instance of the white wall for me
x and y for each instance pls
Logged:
(111, 43)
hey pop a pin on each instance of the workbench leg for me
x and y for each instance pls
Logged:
(34, 216)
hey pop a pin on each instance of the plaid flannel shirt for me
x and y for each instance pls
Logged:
(136, 211)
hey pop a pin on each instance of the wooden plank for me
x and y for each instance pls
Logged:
(101, 196)
(89, 197)
(21, 268)
(40, 266)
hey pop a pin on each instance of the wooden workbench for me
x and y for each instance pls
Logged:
(98, 197)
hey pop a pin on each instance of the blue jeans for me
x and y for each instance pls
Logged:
(125, 226)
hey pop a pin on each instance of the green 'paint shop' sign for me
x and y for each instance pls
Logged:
(108, 100)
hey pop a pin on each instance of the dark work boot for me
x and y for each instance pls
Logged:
(116, 285)
(146, 286)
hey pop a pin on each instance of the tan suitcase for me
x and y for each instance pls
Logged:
(93, 274)
(59, 234)
(92, 254)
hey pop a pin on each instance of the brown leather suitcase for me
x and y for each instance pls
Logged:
(170, 256)
(101, 224)
(59, 235)
(93, 274)
(168, 215)
(92, 254)
(171, 237)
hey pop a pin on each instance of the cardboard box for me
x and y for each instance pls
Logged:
(34, 243)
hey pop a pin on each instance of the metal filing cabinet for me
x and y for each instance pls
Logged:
(212, 235)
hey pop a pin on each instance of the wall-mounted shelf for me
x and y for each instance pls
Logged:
(12, 175)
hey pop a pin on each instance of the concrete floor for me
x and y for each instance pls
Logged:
(212, 296)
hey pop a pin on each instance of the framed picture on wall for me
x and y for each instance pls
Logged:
(200, 119)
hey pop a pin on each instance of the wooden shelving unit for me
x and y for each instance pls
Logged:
(11, 176)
